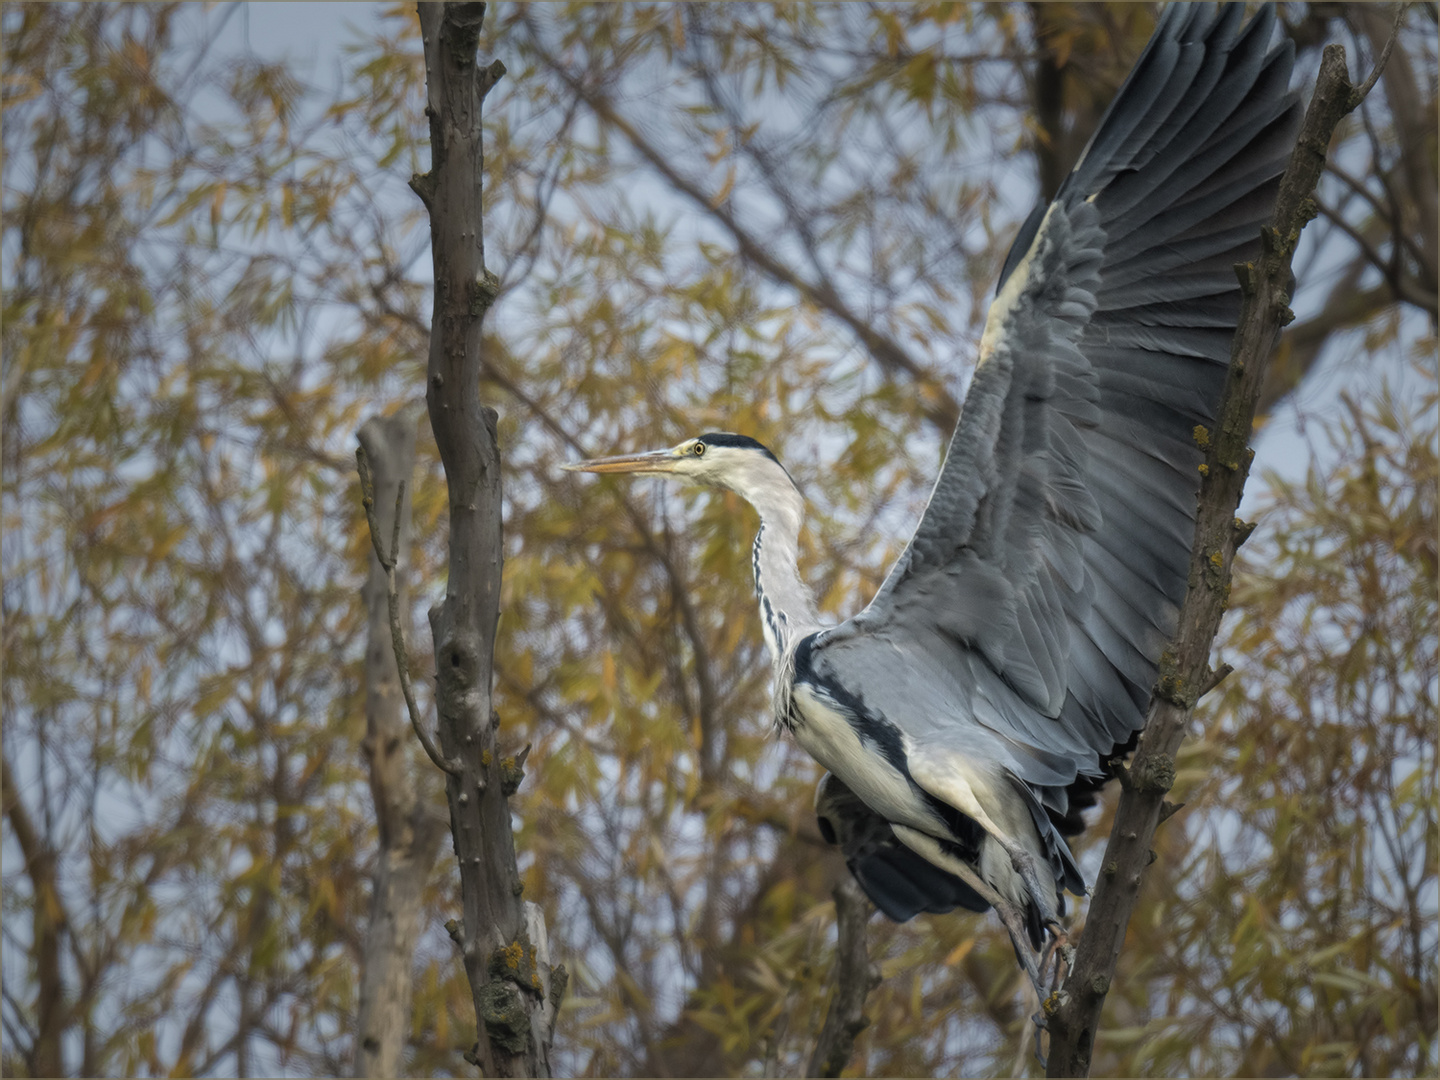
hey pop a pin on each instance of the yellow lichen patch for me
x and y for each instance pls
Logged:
(1216, 560)
(514, 954)
(485, 758)
(1204, 469)
(1201, 435)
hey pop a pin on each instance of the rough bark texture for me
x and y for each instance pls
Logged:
(855, 977)
(1073, 1014)
(510, 983)
(409, 836)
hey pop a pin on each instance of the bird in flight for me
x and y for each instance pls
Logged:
(969, 713)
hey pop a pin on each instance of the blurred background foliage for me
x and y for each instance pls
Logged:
(783, 221)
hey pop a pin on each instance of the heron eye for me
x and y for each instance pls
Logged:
(699, 449)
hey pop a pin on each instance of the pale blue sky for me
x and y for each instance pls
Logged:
(313, 34)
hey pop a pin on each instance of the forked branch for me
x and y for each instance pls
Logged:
(392, 592)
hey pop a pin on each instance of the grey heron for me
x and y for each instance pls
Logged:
(973, 708)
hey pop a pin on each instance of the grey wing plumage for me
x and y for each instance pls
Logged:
(1052, 556)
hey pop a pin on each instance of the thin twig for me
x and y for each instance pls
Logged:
(397, 632)
(1363, 90)
(367, 500)
(1215, 677)
(1402, 285)
(943, 411)
(1388, 212)
(1358, 188)
(395, 528)
(1367, 249)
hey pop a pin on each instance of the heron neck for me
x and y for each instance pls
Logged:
(787, 608)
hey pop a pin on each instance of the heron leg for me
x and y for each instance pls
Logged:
(1047, 971)
(1040, 887)
(1014, 921)
(1010, 914)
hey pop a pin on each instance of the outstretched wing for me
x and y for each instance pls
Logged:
(1048, 568)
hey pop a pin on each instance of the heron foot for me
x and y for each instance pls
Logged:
(1039, 968)
(1046, 970)
(1056, 960)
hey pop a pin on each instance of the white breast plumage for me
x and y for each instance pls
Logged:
(827, 735)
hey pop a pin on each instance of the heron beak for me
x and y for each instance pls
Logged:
(657, 461)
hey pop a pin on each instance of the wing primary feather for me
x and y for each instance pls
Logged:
(1033, 601)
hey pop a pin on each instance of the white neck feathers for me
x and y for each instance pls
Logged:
(787, 608)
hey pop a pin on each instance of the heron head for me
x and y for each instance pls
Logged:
(716, 459)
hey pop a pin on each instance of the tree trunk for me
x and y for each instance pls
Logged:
(409, 837)
(501, 941)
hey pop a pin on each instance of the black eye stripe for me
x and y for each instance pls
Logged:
(739, 442)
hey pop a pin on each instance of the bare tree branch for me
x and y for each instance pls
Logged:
(409, 834)
(855, 977)
(397, 630)
(49, 921)
(1401, 285)
(941, 408)
(1073, 1014)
